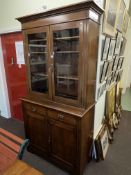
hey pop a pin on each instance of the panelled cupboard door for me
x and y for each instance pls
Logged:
(66, 58)
(63, 142)
(37, 58)
(36, 130)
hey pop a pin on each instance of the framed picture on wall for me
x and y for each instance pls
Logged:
(104, 71)
(111, 49)
(115, 63)
(110, 106)
(109, 69)
(119, 75)
(105, 48)
(123, 45)
(112, 76)
(111, 8)
(116, 76)
(120, 16)
(108, 81)
(118, 43)
(101, 90)
(125, 22)
(120, 63)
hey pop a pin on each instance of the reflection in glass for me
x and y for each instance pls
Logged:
(38, 62)
(66, 57)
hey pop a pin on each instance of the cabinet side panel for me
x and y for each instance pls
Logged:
(86, 139)
(92, 36)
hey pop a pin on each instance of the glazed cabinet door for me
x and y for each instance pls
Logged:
(37, 53)
(66, 58)
(63, 142)
(36, 130)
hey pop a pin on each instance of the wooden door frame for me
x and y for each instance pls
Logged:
(4, 90)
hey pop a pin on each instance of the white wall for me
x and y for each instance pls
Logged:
(100, 105)
(11, 9)
(126, 76)
(4, 102)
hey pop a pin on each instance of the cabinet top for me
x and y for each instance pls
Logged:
(85, 5)
(76, 111)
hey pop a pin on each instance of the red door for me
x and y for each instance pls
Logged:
(15, 74)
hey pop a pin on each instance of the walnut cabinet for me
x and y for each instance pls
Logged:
(61, 50)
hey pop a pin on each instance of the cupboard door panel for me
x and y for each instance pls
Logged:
(63, 142)
(66, 42)
(36, 130)
(38, 61)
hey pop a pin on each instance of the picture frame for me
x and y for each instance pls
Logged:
(116, 76)
(109, 69)
(111, 49)
(118, 94)
(108, 82)
(119, 75)
(120, 63)
(110, 16)
(110, 106)
(112, 76)
(120, 15)
(102, 143)
(105, 48)
(118, 43)
(123, 45)
(101, 90)
(115, 63)
(104, 71)
(125, 22)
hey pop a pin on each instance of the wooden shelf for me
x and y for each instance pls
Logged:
(37, 52)
(67, 38)
(35, 40)
(33, 81)
(37, 45)
(37, 63)
(68, 78)
(67, 52)
(41, 74)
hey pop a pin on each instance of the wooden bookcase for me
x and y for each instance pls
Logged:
(61, 50)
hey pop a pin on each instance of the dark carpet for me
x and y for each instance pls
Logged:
(117, 162)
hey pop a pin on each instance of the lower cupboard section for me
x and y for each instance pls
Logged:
(59, 137)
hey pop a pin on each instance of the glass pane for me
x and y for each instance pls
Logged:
(38, 62)
(66, 57)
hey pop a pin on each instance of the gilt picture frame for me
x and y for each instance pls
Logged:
(103, 142)
(120, 15)
(110, 17)
(125, 22)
